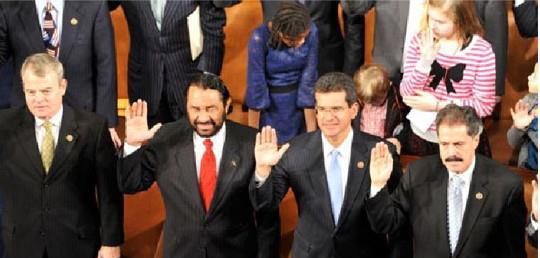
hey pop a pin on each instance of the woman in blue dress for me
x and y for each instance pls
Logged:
(282, 70)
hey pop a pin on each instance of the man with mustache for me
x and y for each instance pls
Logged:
(203, 165)
(458, 204)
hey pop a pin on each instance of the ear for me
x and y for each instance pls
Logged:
(476, 140)
(63, 86)
(228, 104)
(354, 109)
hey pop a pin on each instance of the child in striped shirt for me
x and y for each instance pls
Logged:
(447, 62)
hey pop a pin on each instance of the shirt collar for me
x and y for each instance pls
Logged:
(344, 147)
(466, 176)
(55, 120)
(217, 140)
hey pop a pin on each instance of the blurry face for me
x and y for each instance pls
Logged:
(457, 149)
(205, 110)
(533, 80)
(294, 41)
(334, 115)
(43, 94)
(441, 24)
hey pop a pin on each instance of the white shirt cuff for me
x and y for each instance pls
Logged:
(374, 191)
(518, 2)
(129, 149)
(534, 223)
(259, 180)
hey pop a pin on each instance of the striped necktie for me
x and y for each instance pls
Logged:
(47, 146)
(333, 178)
(51, 39)
(455, 210)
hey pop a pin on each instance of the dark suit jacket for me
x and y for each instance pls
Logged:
(316, 236)
(526, 17)
(86, 50)
(336, 53)
(160, 61)
(58, 211)
(228, 229)
(494, 220)
(391, 25)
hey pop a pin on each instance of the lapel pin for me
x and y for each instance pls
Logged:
(69, 138)
(74, 21)
(360, 164)
(233, 163)
(479, 196)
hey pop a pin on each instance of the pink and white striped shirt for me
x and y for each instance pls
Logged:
(476, 89)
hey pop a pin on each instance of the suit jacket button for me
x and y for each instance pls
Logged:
(42, 233)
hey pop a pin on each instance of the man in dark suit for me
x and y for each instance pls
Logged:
(80, 35)
(57, 178)
(459, 204)
(161, 61)
(203, 165)
(328, 171)
(337, 52)
(526, 17)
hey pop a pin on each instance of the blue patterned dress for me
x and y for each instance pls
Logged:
(281, 82)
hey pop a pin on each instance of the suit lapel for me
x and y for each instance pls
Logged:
(439, 190)
(30, 21)
(70, 28)
(357, 173)
(185, 159)
(26, 135)
(478, 193)
(227, 168)
(67, 138)
(317, 173)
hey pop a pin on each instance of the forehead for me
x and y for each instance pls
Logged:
(331, 98)
(207, 97)
(31, 80)
(437, 14)
(453, 133)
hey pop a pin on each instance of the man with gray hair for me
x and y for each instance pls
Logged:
(57, 173)
(458, 204)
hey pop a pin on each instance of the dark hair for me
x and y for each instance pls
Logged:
(337, 82)
(210, 81)
(453, 114)
(291, 20)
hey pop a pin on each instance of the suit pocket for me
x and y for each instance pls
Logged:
(88, 232)
(301, 247)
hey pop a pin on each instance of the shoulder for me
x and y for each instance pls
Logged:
(481, 44)
(498, 173)
(241, 132)
(261, 33)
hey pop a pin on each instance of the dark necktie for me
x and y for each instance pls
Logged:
(51, 38)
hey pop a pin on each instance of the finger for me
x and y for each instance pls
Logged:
(265, 134)
(258, 138)
(144, 109)
(274, 136)
(155, 128)
(127, 112)
(139, 107)
(534, 185)
(283, 149)
(512, 113)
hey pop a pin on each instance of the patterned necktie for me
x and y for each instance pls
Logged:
(47, 146)
(455, 210)
(51, 39)
(333, 177)
(208, 176)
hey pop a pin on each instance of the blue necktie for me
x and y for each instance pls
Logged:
(455, 210)
(333, 177)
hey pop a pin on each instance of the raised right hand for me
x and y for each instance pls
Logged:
(137, 131)
(380, 165)
(428, 47)
(520, 115)
(267, 153)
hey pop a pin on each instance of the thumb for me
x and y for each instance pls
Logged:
(283, 149)
(155, 128)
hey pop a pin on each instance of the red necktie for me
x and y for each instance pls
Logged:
(208, 175)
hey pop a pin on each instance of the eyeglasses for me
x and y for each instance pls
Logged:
(330, 110)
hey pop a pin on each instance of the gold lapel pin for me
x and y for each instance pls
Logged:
(360, 164)
(233, 163)
(69, 138)
(74, 21)
(479, 196)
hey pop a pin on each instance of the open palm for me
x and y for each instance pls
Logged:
(137, 131)
(267, 153)
(380, 165)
